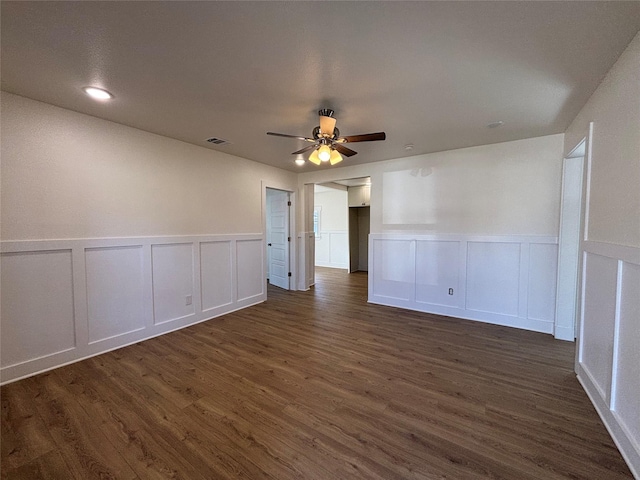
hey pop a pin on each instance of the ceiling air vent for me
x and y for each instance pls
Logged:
(218, 141)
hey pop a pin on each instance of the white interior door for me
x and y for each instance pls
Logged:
(569, 249)
(278, 237)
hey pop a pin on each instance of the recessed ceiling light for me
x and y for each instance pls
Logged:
(408, 147)
(97, 93)
(497, 124)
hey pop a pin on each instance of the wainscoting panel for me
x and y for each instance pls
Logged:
(437, 273)
(490, 276)
(627, 370)
(598, 320)
(37, 305)
(65, 300)
(251, 280)
(323, 249)
(173, 272)
(608, 366)
(216, 274)
(115, 293)
(541, 282)
(493, 274)
(393, 274)
(332, 249)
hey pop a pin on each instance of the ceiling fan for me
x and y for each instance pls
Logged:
(327, 142)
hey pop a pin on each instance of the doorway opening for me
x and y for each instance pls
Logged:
(278, 236)
(569, 244)
(359, 229)
(342, 220)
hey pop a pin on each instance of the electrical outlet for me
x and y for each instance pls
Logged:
(451, 291)
(188, 300)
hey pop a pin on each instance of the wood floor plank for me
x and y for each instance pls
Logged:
(50, 466)
(24, 436)
(123, 419)
(314, 385)
(82, 443)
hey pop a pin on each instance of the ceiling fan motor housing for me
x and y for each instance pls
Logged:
(326, 112)
(317, 136)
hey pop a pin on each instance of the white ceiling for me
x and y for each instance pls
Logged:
(432, 74)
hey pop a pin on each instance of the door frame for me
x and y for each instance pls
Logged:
(571, 233)
(584, 234)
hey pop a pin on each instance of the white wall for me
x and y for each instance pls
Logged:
(614, 196)
(111, 235)
(67, 175)
(482, 221)
(332, 243)
(503, 189)
(510, 188)
(608, 363)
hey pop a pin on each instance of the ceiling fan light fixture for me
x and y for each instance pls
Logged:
(326, 142)
(324, 153)
(313, 158)
(300, 160)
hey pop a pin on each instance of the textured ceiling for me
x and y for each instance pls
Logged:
(432, 74)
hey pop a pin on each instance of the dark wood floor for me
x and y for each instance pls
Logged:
(313, 385)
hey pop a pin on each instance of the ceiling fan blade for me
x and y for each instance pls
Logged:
(344, 150)
(327, 124)
(305, 149)
(366, 137)
(291, 136)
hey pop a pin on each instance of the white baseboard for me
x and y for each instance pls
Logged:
(342, 266)
(564, 333)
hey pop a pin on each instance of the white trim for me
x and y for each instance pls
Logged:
(611, 250)
(450, 237)
(564, 333)
(587, 183)
(16, 246)
(616, 337)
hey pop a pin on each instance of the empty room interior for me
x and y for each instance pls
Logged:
(320, 240)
